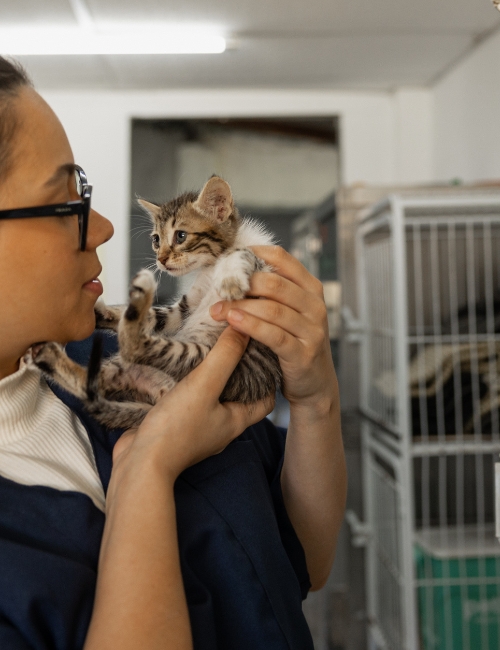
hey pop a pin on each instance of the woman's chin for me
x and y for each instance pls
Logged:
(83, 330)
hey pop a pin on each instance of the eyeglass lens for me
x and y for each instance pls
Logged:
(79, 183)
(83, 219)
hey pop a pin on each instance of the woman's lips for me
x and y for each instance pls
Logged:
(95, 286)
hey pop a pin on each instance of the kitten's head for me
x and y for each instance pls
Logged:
(192, 230)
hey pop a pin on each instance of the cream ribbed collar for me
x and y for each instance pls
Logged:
(20, 394)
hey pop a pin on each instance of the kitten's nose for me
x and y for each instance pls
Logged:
(163, 259)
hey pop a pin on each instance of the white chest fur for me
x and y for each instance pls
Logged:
(230, 268)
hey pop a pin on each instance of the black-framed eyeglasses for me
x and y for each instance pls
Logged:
(80, 207)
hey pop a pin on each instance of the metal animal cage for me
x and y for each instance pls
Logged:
(429, 291)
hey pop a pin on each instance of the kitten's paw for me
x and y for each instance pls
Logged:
(232, 274)
(169, 384)
(46, 356)
(233, 288)
(106, 317)
(143, 282)
(141, 294)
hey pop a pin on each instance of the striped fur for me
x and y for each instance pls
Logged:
(159, 345)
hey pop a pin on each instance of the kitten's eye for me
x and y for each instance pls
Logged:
(155, 240)
(180, 236)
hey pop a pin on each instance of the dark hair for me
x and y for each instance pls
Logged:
(13, 77)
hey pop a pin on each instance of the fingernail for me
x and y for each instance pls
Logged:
(236, 315)
(216, 309)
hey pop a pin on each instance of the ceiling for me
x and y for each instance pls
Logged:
(330, 44)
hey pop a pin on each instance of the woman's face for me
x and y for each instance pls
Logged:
(48, 286)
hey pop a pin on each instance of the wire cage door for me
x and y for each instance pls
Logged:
(386, 512)
(430, 304)
(381, 273)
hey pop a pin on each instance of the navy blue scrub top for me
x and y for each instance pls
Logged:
(243, 566)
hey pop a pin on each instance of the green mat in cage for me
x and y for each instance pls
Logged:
(458, 594)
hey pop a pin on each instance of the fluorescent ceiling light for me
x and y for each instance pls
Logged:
(127, 39)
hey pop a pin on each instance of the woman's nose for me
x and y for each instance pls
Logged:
(99, 231)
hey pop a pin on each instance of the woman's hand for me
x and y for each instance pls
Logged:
(292, 321)
(140, 599)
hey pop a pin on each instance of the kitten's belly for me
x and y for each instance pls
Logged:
(200, 326)
(202, 331)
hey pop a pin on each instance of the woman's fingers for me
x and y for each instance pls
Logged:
(289, 267)
(213, 373)
(273, 287)
(244, 415)
(279, 290)
(285, 345)
(271, 312)
(298, 312)
(237, 417)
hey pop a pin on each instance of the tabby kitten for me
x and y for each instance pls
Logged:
(161, 345)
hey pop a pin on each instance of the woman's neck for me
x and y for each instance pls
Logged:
(8, 367)
(10, 356)
(14, 343)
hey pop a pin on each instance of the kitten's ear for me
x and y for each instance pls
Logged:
(152, 209)
(215, 200)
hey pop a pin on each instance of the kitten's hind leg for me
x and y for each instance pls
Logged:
(56, 365)
(118, 415)
(160, 319)
(174, 357)
(107, 317)
(169, 319)
(137, 345)
(137, 314)
(129, 382)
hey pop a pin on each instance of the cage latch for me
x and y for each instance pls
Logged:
(360, 532)
(353, 327)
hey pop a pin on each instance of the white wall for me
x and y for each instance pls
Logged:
(263, 171)
(413, 123)
(385, 139)
(467, 117)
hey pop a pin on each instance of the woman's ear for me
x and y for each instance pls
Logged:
(152, 209)
(215, 201)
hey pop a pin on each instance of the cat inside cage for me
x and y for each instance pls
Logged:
(454, 328)
(453, 307)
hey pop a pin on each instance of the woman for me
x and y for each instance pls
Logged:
(219, 560)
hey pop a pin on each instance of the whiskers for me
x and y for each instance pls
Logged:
(142, 228)
(153, 267)
(138, 231)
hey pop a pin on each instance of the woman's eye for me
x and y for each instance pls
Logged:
(180, 236)
(155, 239)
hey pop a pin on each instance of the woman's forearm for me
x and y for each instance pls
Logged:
(293, 323)
(314, 482)
(140, 600)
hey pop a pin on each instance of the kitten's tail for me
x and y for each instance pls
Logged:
(94, 367)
